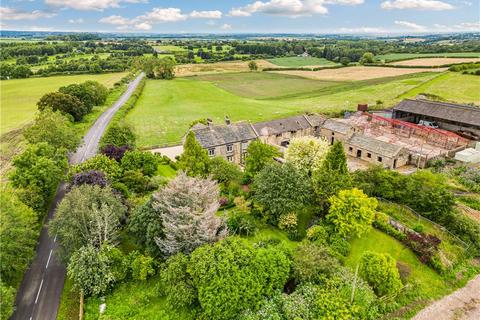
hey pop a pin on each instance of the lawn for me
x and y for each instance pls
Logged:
(301, 62)
(430, 283)
(401, 56)
(452, 86)
(166, 108)
(260, 85)
(19, 96)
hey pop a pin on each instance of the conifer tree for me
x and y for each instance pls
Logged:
(194, 160)
(333, 175)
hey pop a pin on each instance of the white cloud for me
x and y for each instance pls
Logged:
(157, 15)
(115, 20)
(289, 8)
(464, 26)
(13, 14)
(215, 14)
(417, 5)
(97, 5)
(363, 30)
(75, 21)
(411, 25)
(161, 15)
(226, 26)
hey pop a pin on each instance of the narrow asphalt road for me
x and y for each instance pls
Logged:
(39, 294)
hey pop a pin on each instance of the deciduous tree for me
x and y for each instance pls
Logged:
(65, 103)
(187, 209)
(194, 160)
(258, 155)
(306, 153)
(351, 212)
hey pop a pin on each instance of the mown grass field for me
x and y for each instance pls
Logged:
(452, 86)
(19, 96)
(301, 62)
(400, 56)
(166, 108)
(260, 85)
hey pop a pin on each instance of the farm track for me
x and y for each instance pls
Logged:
(39, 294)
(463, 304)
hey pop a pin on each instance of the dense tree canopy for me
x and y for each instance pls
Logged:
(65, 103)
(258, 155)
(146, 162)
(53, 128)
(281, 189)
(90, 93)
(87, 215)
(119, 135)
(232, 276)
(381, 272)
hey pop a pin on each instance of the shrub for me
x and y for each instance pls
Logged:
(313, 263)
(177, 284)
(141, 266)
(224, 172)
(92, 177)
(380, 271)
(119, 134)
(114, 152)
(109, 167)
(146, 162)
(241, 223)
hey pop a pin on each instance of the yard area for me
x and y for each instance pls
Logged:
(302, 62)
(19, 96)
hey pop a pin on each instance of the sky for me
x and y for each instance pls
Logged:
(243, 16)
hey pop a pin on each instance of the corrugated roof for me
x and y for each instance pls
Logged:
(281, 125)
(336, 126)
(442, 110)
(216, 135)
(377, 146)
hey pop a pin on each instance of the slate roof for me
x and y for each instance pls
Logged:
(316, 120)
(217, 135)
(442, 110)
(281, 125)
(376, 146)
(336, 126)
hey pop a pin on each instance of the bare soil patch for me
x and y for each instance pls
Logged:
(184, 70)
(431, 62)
(357, 73)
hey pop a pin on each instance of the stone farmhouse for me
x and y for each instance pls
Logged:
(389, 142)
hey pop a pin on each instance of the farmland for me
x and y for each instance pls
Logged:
(301, 62)
(404, 56)
(426, 62)
(355, 73)
(166, 108)
(19, 96)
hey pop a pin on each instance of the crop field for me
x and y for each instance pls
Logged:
(260, 85)
(184, 70)
(356, 73)
(19, 96)
(425, 62)
(301, 62)
(166, 108)
(403, 56)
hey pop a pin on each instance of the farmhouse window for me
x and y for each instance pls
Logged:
(333, 133)
(230, 158)
(369, 155)
(293, 132)
(379, 159)
(350, 149)
(229, 147)
(211, 152)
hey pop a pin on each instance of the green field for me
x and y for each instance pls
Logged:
(19, 96)
(404, 56)
(451, 86)
(301, 62)
(260, 85)
(166, 108)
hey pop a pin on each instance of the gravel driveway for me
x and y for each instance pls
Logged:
(463, 304)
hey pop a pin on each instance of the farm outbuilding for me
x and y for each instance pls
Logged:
(449, 116)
